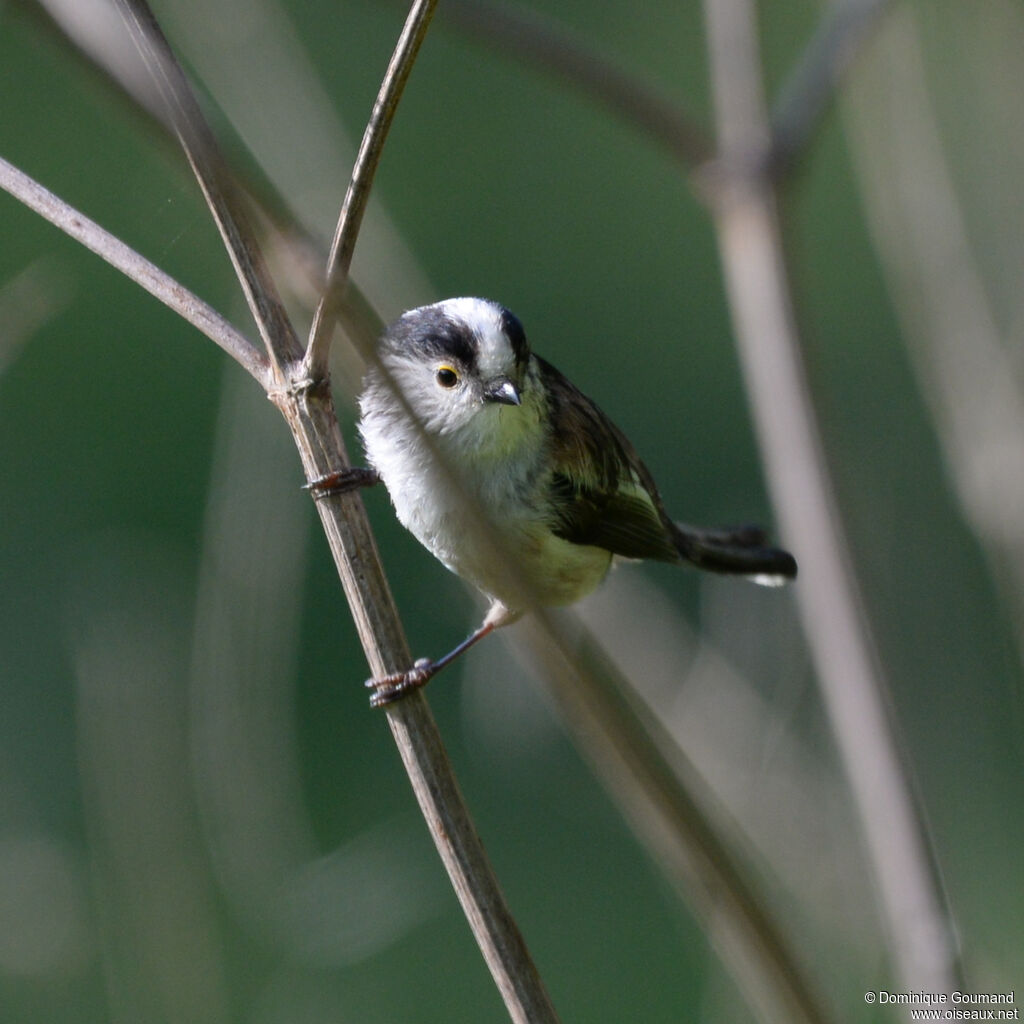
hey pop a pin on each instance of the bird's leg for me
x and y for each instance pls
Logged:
(342, 481)
(388, 689)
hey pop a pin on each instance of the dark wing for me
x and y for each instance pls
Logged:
(601, 493)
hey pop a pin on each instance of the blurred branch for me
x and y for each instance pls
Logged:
(94, 30)
(34, 295)
(802, 102)
(351, 218)
(806, 94)
(160, 935)
(536, 40)
(920, 231)
(670, 808)
(138, 268)
(917, 920)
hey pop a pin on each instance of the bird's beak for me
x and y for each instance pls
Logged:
(502, 391)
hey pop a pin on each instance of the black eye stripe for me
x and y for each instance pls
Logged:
(433, 333)
(437, 334)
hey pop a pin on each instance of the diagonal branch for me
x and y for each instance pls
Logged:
(805, 96)
(215, 180)
(659, 792)
(919, 225)
(802, 102)
(137, 267)
(358, 194)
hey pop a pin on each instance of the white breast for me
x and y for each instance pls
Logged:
(508, 485)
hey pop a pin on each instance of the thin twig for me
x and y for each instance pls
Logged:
(137, 267)
(222, 195)
(351, 218)
(917, 920)
(805, 96)
(95, 31)
(536, 40)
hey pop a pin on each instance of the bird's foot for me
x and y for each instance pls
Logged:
(343, 481)
(389, 689)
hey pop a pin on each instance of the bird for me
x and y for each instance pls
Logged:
(461, 420)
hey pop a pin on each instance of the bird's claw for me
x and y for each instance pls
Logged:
(389, 689)
(343, 481)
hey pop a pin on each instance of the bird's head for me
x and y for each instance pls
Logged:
(462, 365)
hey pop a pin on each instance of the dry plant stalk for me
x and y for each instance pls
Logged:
(305, 401)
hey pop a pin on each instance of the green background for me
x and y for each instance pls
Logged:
(200, 819)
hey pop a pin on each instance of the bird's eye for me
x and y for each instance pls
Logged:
(447, 376)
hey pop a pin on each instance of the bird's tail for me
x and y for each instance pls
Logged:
(743, 551)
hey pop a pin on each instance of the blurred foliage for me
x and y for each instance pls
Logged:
(200, 820)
